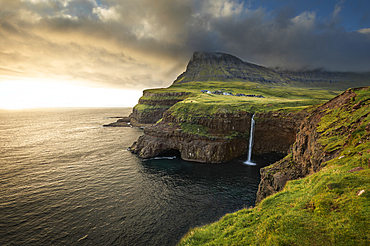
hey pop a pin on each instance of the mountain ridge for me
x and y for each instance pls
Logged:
(218, 66)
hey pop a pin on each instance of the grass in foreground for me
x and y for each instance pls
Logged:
(322, 209)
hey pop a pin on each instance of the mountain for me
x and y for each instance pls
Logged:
(217, 66)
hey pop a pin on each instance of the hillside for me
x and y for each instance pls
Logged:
(219, 71)
(326, 200)
(216, 66)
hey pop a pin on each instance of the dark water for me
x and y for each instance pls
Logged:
(65, 180)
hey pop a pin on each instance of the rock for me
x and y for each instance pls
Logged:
(151, 107)
(276, 131)
(360, 192)
(160, 138)
(122, 122)
(368, 127)
(356, 169)
(307, 153)
(272, 134)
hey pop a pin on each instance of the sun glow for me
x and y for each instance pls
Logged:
(18, 94)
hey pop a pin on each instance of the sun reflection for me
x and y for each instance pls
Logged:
(18, 94)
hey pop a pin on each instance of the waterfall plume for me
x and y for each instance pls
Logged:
(249, 161)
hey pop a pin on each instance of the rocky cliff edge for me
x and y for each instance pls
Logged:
(342, 122)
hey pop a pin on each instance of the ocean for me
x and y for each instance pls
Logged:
(66, 180)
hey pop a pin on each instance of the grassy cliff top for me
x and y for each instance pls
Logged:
(330, 207)
(275, 97)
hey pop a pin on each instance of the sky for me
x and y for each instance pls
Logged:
(56, 53)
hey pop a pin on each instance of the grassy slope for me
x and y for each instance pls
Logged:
(199, 105)
(321, 209)
(276, 97)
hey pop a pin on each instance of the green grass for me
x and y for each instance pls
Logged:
(194, 129)
(143, 108)
(197, 105)
(321, 209)
(275, 98)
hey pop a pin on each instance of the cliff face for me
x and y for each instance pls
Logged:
(328, 203)
(310, 151)
(276, 131)
(151, 107)
(226, 138)
(213, 146)
(164, 137)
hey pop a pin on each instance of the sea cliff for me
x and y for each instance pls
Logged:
(319, 194)
(307, 154)
(205, 114)
(219, 138)
(151, 107)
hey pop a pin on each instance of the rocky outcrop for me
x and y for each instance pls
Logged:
(276, 131)
(221, 123)
(308, 154)
(164, 137)
(151, 107)
(121, 122)
(144, 117)
(226, 138)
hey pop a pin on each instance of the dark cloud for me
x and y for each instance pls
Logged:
(144, 43)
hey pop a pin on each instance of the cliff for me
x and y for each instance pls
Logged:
(212, 140)
(319, 194)
(276, 131)
(220, 138)
(151, 106)
(208, 127)
(310, 151)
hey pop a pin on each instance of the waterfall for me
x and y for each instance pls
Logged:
(249, 161)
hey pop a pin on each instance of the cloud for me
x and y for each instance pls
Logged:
(143, 43)
(338, 8)
(364, 31)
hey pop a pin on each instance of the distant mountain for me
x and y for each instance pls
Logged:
(216, 66)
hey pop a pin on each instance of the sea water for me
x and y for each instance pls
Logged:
(66, 180)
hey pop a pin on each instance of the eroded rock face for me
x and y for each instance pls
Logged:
(307, 153)
(142, 118)
(219, 123)
(155, 104)
(122, 122)
(274, 132)
(164, 137)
